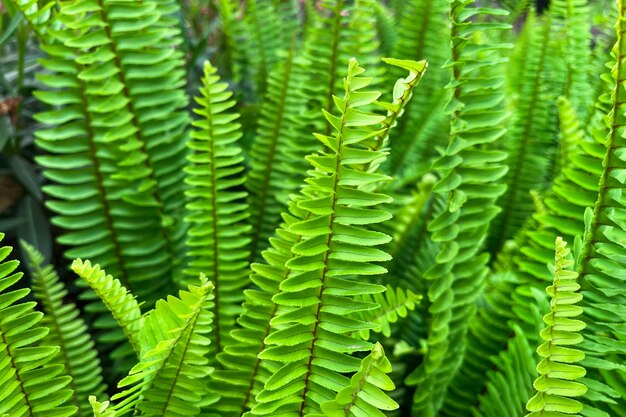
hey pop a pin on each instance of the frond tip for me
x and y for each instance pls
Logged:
(556, 384)
(365, 395)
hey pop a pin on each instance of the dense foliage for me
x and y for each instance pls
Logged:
(364, 212)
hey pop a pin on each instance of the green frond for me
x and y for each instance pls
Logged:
(37, 14)
(393, 304)
(470, 183)
(68, 331)
(310, 334)
(101, 409)
(174, 337)
(530, 141)
(386, 23)
(32, 384)
(218, 235)
(575, 17)
(509, 385)
(557, 384)
(365, 395)
(423, 33)
(117, 143)
(282, 141)
(572, 133)
(118, 300)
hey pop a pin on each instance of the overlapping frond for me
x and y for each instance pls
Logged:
(174, 339)
(117, 143)
(68, 331)
(469, 184)
(217, 239)
(393, 305)
(365, 395)
(32, 384)
(310, 334)
(556, 384)
(282, 141)
(530, 141)
(121, 304)
(423, 33)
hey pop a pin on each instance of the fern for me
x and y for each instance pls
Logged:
(174, 338)
(557, 381)
(279, 148)
(32, 385)
(125, 138)
(364, 396)
(392, 305)
(530, 142)
(218, 212)
(469, 185)
(68, 331)
(309, 333)
(121, 304)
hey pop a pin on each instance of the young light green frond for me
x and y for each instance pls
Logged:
(244, 374)
(68, 331)
(101, 409)
(393, 304)
(556, 386)
(365, 395)
(118, 300)
(218, 236)
(469, 184)
(32, 384)
(283, 138)
(311, 335)
(168, 381)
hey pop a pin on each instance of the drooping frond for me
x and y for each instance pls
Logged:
(530, 141)
(174, 337)
(32, 384)
(393, 304)
(311, 334)
(557, 384)
(118, 300)
(217, 240)
(469, 185)
(282, 141)
(365, 395)
(68, 331)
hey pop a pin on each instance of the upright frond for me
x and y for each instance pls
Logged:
(33, 385)
(218, 212)
(68, 331)
(557, 384)
(311, 333)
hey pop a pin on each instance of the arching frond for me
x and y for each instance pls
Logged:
(32, 384)
(118, 300)
(68, 331)
(393, 304)
(174, 337)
